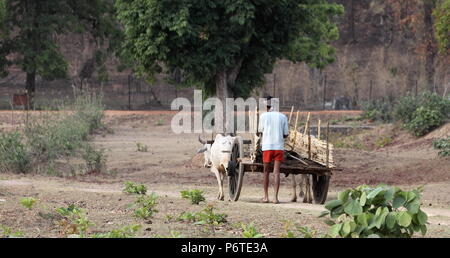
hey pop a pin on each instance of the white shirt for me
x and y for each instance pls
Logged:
(273, 125)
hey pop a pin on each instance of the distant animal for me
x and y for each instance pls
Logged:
(217, 157)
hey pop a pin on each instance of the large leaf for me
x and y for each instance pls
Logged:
(423, 229)
(413, 207)
(363, 199)
(374, 192)
(353, 208)
(346, 228)
(398, 201)
(362, 220)
(335, 229)
(422, 217)
(343, 196)
(390, 220)
(389, 194)
(332, 204)
(404, 219)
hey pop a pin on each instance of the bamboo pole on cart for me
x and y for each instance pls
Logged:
(318, 130)
(290, 115)
(328, 145)
(295, 131)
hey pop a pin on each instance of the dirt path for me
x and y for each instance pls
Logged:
(167, 168)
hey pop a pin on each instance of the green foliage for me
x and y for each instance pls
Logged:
(125, 232)
(13, 153)
(443, 145)
(29, 27)
(145, 206)
(207, 217)
(376, 212)
(73, 221)
(442, 24)
(378, 110)
(7, 232)
(28, 202)
(141, 147)
(238, 39)
(298, 232)
(195, 196)
(133, 188)
(95, 159)
(250, 231)
(422, 114)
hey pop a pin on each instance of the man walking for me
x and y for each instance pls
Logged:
(274, 128)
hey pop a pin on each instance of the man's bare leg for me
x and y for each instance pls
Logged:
(266, 183)
(276, 184)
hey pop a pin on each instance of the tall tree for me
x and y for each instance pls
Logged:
(442, 25)
(227, 46)
(30, 26)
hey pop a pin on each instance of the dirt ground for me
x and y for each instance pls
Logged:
(171, 165)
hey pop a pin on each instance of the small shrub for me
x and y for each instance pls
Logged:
(160, 122)
(378, 110)
(376, 212)
(133, 188)
(146, 206)
(250, 231)
(195, 196)
(7, 232)
(125, 232)
(141, 147)
(74, 221)
(95, 159)
(28, 202)
(207, 217)
(425, 120)
(13, 153)
(443, 145)
(383, 141)
(298, 232)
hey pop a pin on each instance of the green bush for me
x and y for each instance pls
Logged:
(28, 202)
(146, 206)
(13, 153)
(95, 159)
(443, 145)
(378, 110)
(376, 212)
(133, 188)
(195, 196)
(422, 114)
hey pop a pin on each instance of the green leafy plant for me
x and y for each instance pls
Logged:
(125, 232)
(95, 159)
(250, 231)
(298, 232)
(28, 202)
(7, 232)
(13, 153)
(207, 217)
(195, 196)
(145, 206)
(133, 188)
(376, 212)
(443, 145)
(73, 221)
(141, 147)
(160, 122)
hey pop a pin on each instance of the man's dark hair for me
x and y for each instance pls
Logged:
(268, 101)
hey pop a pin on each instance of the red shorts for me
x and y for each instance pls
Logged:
(271, 155)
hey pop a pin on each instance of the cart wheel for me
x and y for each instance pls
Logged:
(320, 188)
(236, 169)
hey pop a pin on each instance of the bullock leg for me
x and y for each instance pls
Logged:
(219, 181)
(294, 189)
(307, 198)
(222, 195)
(302, 186)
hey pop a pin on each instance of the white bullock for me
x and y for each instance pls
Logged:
(217, 156)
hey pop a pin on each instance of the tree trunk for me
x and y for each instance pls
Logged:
(430, 52)
(31, 88)
(222, 93)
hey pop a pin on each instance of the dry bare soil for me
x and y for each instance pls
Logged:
(171, 165)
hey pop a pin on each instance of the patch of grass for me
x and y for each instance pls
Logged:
(141, 147)
(160, 122)
(28, 202)
(250, 231)
(7, 232)
(383, 141)
(145, 206)
(74, 221)
(443, 145)
(132, 188)
(124, 232)
(298, 231)
(194, 196)
(13, 153)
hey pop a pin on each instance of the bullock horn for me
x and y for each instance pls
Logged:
(201, 140)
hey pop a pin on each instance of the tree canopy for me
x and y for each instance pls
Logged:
(29, 28)
(227, 46)
(442, 24)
